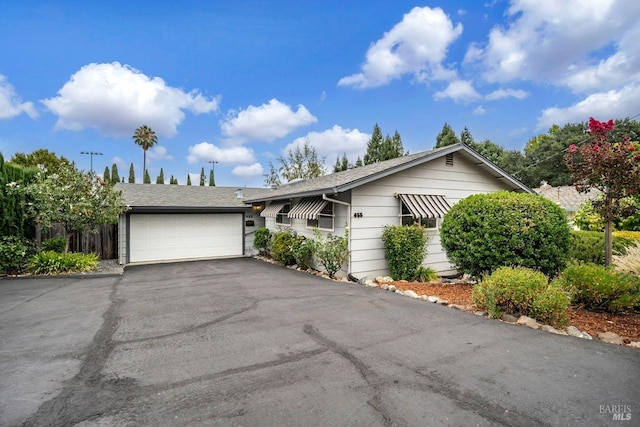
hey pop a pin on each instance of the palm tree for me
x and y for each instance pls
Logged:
(146, 138)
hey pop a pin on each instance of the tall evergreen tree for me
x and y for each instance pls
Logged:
(446, 137)
(466, 138)
(160, 178)
(132, 175)
(342, 164)
(188, 179)
(374, 146)
(212, 179)
(173, 181)
(202, 177)
(106, 176)
(115, 176)
(146, 179)
(359, 162)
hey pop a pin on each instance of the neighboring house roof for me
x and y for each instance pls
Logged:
(343, 181)
(185, 197)
(567, 196)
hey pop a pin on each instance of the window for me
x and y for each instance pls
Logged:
(282, 217)
(408, 219)
(324, 219)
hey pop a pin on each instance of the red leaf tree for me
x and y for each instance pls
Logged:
(611, 166)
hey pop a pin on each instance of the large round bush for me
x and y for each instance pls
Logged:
(486, 231)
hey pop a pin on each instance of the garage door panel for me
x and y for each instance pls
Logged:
(160, 237)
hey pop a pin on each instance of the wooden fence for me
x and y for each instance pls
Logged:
(104, 243)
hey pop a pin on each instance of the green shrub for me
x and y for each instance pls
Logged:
(302, 250)
(485, 231)
(521, 291)
(405, 249)
(600, 288)
(281, 244)
(588, 246)
(426, 274)
(56, 244)
(587, 219)
(14, 254)
(629, 235)
(261, 239)
(332, 251)
(50, 262)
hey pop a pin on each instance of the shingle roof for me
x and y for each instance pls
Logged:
(567, 196)
(343, 181)
(185, 196)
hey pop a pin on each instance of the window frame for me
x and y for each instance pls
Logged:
(284, 213)
(324, 214)
(407, 218)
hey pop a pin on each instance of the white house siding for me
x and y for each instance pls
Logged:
(250, 231)
(122, 239)
(378, 206)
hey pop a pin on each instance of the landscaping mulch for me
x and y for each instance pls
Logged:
(626, 325)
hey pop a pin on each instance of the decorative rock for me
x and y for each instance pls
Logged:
(586, 336)
(549, 328)
(368, 282)
(509, 318)
(443, 302)
(610, 337)
(387, 279)
(432, 298)
(379, 279)
(634, 344)
(392, 288)
(411, 294)
(573, 331)
(528, 322)
(457, 307)
(398, 291)
(384, 287)
(480, 313)
(372, 285)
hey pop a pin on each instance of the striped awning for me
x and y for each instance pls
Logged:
(425, 206)
(272, 210)
(308, 208)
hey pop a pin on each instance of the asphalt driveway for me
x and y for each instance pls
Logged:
(241, 342)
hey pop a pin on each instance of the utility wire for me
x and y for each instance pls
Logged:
(560, 152)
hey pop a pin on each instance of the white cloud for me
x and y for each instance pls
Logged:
(334, 142)
(205, 151)
(158, 152)
(479, 111)
(556, 40)
(11, 105)
(264, 123)
(506, 93)
(247, 171)
(459, 91)
(417, 45)
(116, 99)
(602, 105)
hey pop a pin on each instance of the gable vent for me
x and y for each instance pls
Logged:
(448, 160)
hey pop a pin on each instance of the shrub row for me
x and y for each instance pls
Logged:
(50, 262)
(588, 246)
(288, 248)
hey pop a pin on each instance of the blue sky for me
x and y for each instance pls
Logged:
(238, 82)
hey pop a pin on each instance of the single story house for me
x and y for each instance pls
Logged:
(567, 197)
(417, 187)
(180, 222)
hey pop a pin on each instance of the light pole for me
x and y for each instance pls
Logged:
(213, 173)
(91, 153)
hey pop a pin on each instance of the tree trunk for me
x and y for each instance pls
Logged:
(608, 243)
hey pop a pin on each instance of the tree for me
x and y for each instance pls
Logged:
(147, 178)
(115, 176)
(76, 200)
(374, 146)
(446, 137)
(41, 158)
(132, 175)
(173, 181)
(106, 175)
(490, 150)
(359, 162)
(188, 179)
(610, 164)
(160, 178)
(342, 164)
(212, 179)
(13, 218)
(146, 138)
(391, 147)
(466, 138)
(202, 177)
(300, 163)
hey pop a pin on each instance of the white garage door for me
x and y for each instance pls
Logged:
(162, 237)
